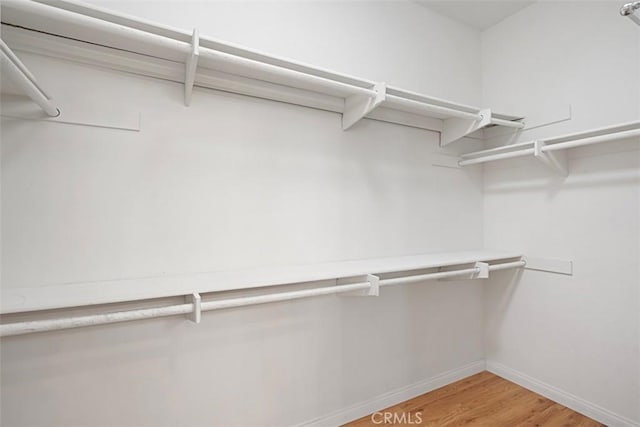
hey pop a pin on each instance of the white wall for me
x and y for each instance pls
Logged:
(234, 182)
(579, 334)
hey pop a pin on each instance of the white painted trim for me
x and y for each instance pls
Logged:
(394, 397)
(560, 396)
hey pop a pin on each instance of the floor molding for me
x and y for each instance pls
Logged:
(396, 396)
(562, 397)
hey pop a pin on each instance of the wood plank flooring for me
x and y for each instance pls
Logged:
(483, 400)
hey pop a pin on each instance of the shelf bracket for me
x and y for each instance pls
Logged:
(549, 265)
(356, 107)
(191, 66)
(454, 128)
(557, 161)
(372, 291)
(196, 314)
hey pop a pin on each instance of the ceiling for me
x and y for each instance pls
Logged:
(480, 14)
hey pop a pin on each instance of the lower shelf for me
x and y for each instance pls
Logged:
(353, 278)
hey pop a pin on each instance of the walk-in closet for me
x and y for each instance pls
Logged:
(271, 213)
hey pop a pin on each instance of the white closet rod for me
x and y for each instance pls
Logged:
(553, 147)
(12, 56)
(412, 105)
(154, 44)
(429, 276)
(20, 328)
(21, 76)
(507, 265)
(507, 123)
(280, 75)
(592, 140)
(501, 156)
(630, 9)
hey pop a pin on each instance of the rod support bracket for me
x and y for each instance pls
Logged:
(196, 300)
(372, 291)
(190, 67)
(483, 270)
(556, 161)
(374, 286)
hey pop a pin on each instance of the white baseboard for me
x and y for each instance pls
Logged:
(562, 397)
(396, 396)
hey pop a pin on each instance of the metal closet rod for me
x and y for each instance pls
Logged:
(553, 147)
(195, 307)
(21, 76)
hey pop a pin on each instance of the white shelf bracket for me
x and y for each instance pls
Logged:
(549, 265)
(556, 161)
(483, 270)
(374, 288)
(356, 107)
(196, 314)
(191, 66)
(372, 291)
(454, 129)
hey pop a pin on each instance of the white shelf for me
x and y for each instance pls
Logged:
(82, 33)
(621, 127)
(109, 291)
(552, 151)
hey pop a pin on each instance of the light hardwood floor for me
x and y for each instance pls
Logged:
(483, 400)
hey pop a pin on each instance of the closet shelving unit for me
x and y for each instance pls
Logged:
(551, 151)
(74, 31)
(356, 278)
(71, 30)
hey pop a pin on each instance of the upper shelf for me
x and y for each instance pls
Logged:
(56, 296)
(117, 41)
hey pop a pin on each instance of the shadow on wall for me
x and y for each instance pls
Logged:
(504, 284)
(617, 165)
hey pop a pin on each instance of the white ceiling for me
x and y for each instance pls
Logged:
(480, 14)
